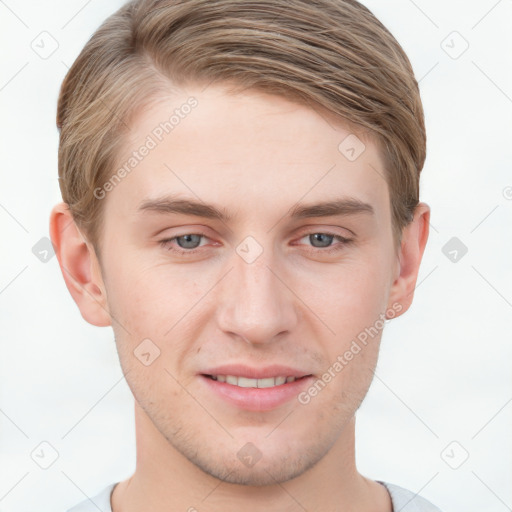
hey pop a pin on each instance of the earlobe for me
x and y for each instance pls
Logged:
(80, 267)
(414, 240)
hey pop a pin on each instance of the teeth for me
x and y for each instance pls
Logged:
(269, 382)
(244, 382)
(230, 379)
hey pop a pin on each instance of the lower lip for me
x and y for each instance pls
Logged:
(257, 399)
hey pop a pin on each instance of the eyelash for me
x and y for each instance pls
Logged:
(343, 242)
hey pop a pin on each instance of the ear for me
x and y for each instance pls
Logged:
(80, 267)
(414, 240)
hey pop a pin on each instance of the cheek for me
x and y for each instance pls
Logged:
(155, 313)
(348, 298)
(149, 302)
(366, 297)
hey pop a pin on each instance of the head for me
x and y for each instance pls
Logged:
(298, 130)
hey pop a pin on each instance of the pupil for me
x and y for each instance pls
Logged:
(189, 239)
(327, 240)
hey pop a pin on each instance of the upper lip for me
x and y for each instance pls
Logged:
(240, 370)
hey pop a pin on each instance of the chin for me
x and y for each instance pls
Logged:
(244, 464)
(263, 473)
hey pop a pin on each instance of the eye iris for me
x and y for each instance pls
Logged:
(326, 241)
(195, 241)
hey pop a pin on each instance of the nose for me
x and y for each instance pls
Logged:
(255, 303)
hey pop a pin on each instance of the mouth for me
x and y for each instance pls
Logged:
(246, 382)
(253, 389)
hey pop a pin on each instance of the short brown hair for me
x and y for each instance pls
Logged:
(331, 54)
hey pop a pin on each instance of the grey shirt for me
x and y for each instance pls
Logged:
(402, 499)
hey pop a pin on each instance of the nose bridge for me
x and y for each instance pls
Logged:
(255, 304)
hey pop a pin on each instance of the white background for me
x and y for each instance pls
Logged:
(445, 366)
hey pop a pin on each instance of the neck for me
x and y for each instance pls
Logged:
(164, 478)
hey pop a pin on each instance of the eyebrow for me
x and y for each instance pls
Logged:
(337, 207)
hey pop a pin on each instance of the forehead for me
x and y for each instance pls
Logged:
(247, 151)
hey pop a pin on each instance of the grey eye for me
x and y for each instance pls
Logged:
(191, 241)
(324, 239)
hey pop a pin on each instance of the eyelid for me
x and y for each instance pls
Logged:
(343, 241)
(311, 229)
(178, 250)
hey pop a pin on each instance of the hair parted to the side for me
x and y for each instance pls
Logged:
(322, 53)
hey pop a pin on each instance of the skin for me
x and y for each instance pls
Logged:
(257, 156)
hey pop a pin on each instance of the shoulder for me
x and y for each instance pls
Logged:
(100, 502)
(407, 501)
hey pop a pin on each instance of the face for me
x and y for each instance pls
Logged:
(257, 281)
